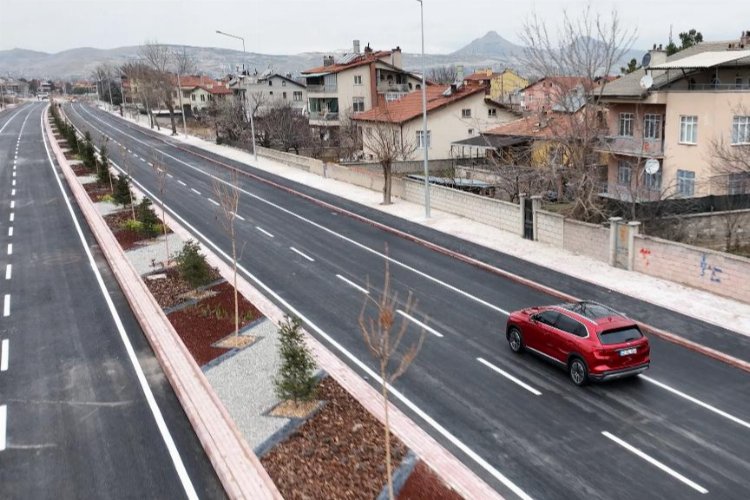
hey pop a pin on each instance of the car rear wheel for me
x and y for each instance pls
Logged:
(515, 340)
(578, 372)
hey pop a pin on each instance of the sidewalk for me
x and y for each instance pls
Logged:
(704, 306)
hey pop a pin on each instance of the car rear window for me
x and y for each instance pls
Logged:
(620, 335)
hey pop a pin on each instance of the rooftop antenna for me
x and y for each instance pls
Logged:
(670, 34)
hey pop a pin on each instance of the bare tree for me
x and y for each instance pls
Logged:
(159, 58)
(383, 337)
(126, 167)
(160, 169)
(443, 74)
(227, 118)
(229, 200)
(286, 127)
(586, 47)
(349, 136)
(184, 64)
(387, 144)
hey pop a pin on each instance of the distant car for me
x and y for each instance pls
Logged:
(590, 340)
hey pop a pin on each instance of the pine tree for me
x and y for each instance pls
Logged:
(122, 194)
(295, 378)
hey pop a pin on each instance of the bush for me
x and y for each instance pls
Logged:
(132, 225)
(102, 173)
(295, 379)
(192, 265)
(122, 194)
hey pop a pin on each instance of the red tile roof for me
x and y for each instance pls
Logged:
(532, 127)
(565, 82)
(360, 61)
(410, 106)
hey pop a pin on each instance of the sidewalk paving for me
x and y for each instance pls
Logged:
(701, 305)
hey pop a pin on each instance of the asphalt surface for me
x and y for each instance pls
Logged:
(78, 422)
(679, 432)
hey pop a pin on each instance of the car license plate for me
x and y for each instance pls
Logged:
(628, 352)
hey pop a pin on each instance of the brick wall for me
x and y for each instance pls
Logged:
(716, 272)
(549, 228)
(582, 238)
(495, 213)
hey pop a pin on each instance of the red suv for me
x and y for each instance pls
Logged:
(592, 341)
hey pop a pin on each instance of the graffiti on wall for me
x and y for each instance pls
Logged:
(706, 266)
(645, 253)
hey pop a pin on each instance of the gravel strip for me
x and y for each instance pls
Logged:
(155, 251)
(88, 179)
(106, 208)
(244, 383)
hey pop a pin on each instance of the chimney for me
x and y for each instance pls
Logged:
(745, 38)
(658, 56)
(356, 46)
(327, 60)
(396, 57)
(460, 73)
(368, 50)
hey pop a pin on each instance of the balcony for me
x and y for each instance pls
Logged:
(633, 146)
(393, 87)
(322, 89)
(718, 87)
(325, 118)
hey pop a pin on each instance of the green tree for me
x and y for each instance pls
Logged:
(122, 194)
(103, 173)
(687, 39)
(147, 217)
(295, 379)
(632, 66)
(192, 265)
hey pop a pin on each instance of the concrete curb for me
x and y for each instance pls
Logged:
(239, 470)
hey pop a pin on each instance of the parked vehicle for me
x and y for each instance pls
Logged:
(590, 340)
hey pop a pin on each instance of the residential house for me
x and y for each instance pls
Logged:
(269, 88)
(500, 86)
(548, 92)
(354, 83)
(672, 112)
(453, 112)
(84, 87)
(197, 92)
(14, 87)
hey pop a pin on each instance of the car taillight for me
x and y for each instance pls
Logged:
(602, 353)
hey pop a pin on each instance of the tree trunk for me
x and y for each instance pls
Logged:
(386, 183)
(234, 278)
(388, 468)
(170, 107)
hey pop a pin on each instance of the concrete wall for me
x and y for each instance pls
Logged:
(716, 272)
(706, 230)
(406, 167)
(591, 240)
(549, 228)
(495, 213)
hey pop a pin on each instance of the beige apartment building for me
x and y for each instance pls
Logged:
(266, 90)
(454, 112)
(674, 112)
(354, 83)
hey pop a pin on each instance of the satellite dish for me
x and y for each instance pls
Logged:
(646, 60)
(652, 166)
(646, 82)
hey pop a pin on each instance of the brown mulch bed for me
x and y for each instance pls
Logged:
(167, 291)
(97, 190)
(126, 238)
(338, 453)
(423, 484)
(79, 169)
(70, 155)
(199, 327)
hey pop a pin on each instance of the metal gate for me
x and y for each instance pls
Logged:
(621, 245)
(528, 219)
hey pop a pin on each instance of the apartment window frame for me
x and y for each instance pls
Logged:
(686, 183)
(652, 123)
(738, 183)
(420, 142)
(624, 173)
(626, 122)
(283, 83)
(688, 129)
(297, 96)
(741, 130)
(492, 113)
(466, 113)
(358, 104)
(357, 80)
(652, 181)
(283, 95)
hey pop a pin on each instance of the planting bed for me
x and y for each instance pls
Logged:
(170, 291)
(125, 237)
(97, 190)
(79, 169)
(423, 484)
(200, 325)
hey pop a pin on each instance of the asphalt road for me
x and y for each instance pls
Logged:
(85, 409)
(681, 431)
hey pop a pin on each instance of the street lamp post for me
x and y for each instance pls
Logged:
(424, 121)
(244, 96)
(182, 106)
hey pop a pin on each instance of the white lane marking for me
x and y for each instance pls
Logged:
(510, 377)
(168, 175)
(238, 216)
(11, 119)
(4, 354)
(10, 248)
(700, 403)
(264, 231)
(12, 216)
(3, 425)
(14, 174)
(353, 284)
(301, 254)
(8, 271)
(12, 205)
(214, 202)
(484, 464)
(697, 487)
(419, 323)
(153, 406)
(195, 191)
(178, 180)
(6, 305)
(152, 165)
(13, 191)
(143, 160)
(315, 224)
(10, 231)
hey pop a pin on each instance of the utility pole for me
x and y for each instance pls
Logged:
(182, 106)
(425, 145)
(244, 94)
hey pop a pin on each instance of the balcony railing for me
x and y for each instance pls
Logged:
(726, 87)
(323, 116)
(322, 89)
(393, 87)
(634, 146)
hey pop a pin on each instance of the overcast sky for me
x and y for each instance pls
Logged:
(290, 27)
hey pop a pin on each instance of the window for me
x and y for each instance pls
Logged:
(185, 94)
(203, 97)
(626, 125)
(357, 79)
(283, 95)
(621, 335)
(571, 326)
(686, 182)
(192, 96)
(547, 317)
(471, 131)
(358, 104)
(466, 113)
(688, 129)
(420, 139)
(741, 130)
(270, 92)
(624, 173)
(652, 126)
(297, 96)
(653, 181)
(738, 183)
(283, 83)
(738, 82)
(491, 113)
(270, 83)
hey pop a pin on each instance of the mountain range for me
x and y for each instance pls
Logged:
(491, 50)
